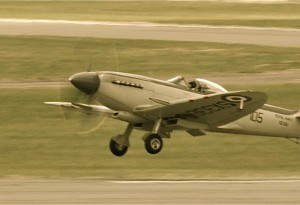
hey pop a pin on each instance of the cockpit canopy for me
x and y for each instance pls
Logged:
(205, 86)
(199, 85)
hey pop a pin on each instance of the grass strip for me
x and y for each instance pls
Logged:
(56, 58)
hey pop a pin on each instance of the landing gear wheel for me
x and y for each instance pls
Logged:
(117, 149)
(153, 143)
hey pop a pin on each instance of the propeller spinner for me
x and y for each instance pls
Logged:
(87, 82)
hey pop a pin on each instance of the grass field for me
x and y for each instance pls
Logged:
(192, 12)
(56, 58)
(37, 141)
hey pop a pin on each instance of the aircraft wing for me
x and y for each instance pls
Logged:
(211, 110)
(85, 108)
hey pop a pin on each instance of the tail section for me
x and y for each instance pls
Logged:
(297, 125)
(297, 116)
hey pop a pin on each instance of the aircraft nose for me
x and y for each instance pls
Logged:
(87, 82)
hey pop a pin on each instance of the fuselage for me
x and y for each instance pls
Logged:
(125, 92)
(267, 121)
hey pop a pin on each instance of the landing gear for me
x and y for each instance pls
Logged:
(119, 144)
(153, 143)
(116, 149)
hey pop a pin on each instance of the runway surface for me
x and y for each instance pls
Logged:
(221, 34)
(149, 192)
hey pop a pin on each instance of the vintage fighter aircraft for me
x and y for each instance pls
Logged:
(159, 107)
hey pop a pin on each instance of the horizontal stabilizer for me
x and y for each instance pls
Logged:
(298, 116)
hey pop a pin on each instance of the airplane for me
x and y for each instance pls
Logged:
(162, 106)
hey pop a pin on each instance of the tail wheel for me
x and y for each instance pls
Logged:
(117, 149)
(153, 143)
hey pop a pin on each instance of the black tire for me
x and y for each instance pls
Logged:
(116, 149)
(153, 143)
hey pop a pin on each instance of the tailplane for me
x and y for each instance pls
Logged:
(297, 116)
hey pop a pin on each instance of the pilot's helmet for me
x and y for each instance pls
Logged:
(192, 84)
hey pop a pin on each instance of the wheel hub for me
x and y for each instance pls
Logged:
(155, 144)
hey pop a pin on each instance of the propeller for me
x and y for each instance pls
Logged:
(116, 57)
(85, 85)
(85, 124)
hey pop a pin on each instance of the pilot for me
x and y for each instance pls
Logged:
(196, 86)
(192, 85)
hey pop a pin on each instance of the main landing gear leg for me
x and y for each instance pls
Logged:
(153, 141)
(119, 144)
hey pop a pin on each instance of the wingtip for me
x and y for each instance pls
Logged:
(58, 103)
(51, 103)
(47, 103)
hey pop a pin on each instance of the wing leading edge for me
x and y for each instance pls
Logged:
(99, 110)
(85, 108)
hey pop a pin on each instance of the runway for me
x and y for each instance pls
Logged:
(149, 192)
(282, 37)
